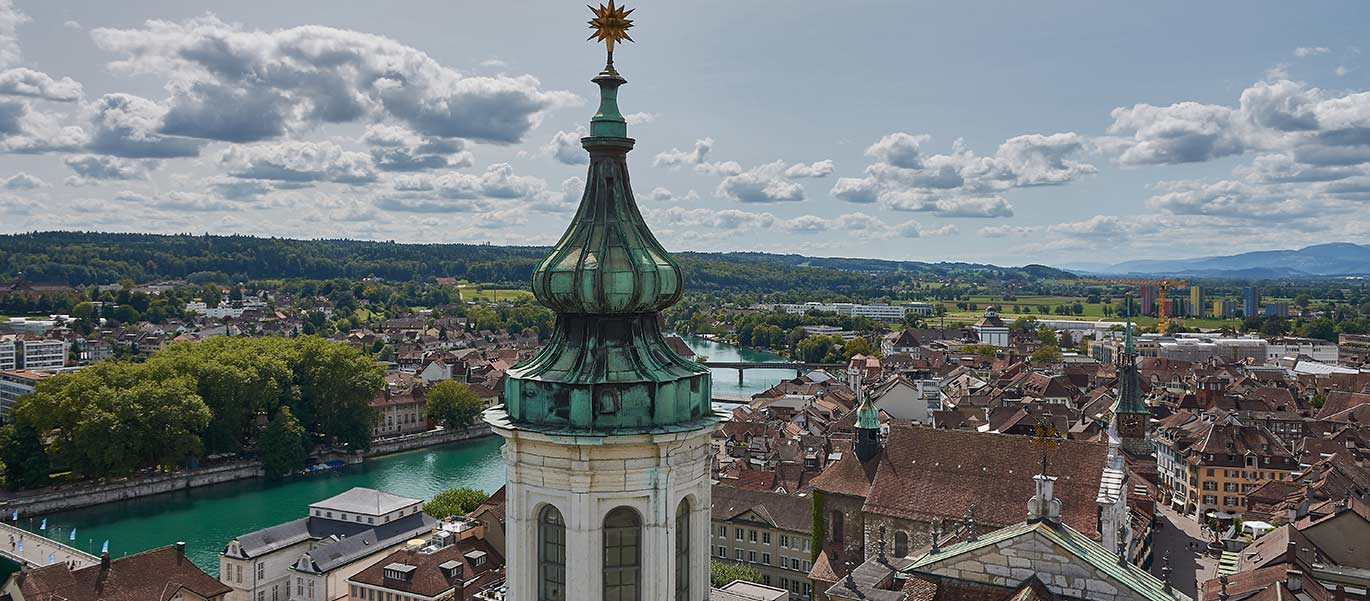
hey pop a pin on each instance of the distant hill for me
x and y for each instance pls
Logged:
(1322, 260)
(84, 258)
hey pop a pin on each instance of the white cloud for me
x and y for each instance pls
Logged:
(74, 25)
(233, 84)
(856, 190)
(1184, 132)
(126, 125)
(816, 169)
(22, 181)
(1002, 231)
(22, 81)
(807, 224)
(660, 194)
(1307, 51)
(395, 148)
(676, 158)
(762, 184)
(899, 149)
(639, 118)
(298, 162)
(566, 149)
(92, 167)
(680, 218)
(10, 20)
(26, 130)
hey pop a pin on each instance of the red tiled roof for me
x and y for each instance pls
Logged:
(156, 575)
(924, 474)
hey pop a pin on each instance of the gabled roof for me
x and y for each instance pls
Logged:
(1065, 541)
(156, 575)
(366, 501)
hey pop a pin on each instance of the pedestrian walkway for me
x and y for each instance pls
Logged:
(1186, 541)
(35, 551)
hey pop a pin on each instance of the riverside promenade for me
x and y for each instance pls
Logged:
(36, 551)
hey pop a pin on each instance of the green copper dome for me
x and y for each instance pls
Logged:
(607, 368)
(867, 416)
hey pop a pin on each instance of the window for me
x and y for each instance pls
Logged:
(901, 544)
(622, 555)
(261, 571)
(551, 555)
(723, 532)
(311, 589)
(751, 535)
(766, 558)
(682, 551)
(739, 534)
(239, 571)
(723, 552)
(785, 541)
(751, 556)
(299, 587)
(275, 592)
(737, 554)
(766, 538)
(1210, 500)
(261, 595)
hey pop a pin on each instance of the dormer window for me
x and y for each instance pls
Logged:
(399, 571)
(452, 569)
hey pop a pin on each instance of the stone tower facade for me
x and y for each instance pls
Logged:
(607, 430)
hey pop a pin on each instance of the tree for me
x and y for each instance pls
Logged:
(983, 350)
(723, 572)
(1321, 327)
(1046, 355)
(452, 404)
(26, 463)
(283, 445)
(1047, 336)
(454, 501)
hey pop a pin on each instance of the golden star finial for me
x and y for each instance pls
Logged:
(611, 24)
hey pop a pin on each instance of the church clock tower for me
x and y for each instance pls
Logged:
(607, 430)
(1131, 417)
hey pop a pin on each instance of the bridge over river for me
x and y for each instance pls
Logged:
(37, 551)
(799, 367)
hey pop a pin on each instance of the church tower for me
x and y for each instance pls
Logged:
(1131, 417)
(867, 415)
(607, 430)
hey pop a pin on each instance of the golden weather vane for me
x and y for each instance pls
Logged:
(611, 25)
(1044, 436)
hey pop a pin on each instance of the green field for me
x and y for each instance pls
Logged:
(473, 292)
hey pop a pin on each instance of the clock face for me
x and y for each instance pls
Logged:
(1131, 423)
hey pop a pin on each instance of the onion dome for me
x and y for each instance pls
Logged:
(867, 416)
(608, 261)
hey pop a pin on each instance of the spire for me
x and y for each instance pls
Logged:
(607, 368)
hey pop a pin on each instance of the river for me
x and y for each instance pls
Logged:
(207, 518)
(725, 380)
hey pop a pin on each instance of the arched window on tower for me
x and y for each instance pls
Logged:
(835, 526)
(622, 555)
(682, 551)
(901, 544)
(551, 555)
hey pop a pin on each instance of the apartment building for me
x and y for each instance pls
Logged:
(1232, 458)
(14, 384)
(765, 530)
(38, 353)
(9, 353)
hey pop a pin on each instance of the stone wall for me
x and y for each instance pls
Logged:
(430, 438)
(75, 496)
(1010, 562)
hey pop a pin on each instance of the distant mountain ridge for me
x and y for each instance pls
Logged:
(1321, 260)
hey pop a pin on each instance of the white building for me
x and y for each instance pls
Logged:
(42, 354)
(9, 358)
(903, 398)
(14, 384)
(991, 329)
(230, 309)
(1317, 349)
(891, 313)
(311, 558)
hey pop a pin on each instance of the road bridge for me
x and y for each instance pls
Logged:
(36, 550)
(799, 367)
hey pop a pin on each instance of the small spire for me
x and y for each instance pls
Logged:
(936, 535)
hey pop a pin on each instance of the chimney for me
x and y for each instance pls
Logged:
(180, 550)
(1294, 580)
(1044, 506)
(104, 561)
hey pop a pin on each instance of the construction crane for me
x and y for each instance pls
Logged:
(1162, 308)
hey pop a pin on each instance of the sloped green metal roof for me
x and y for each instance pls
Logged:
(1071, 542)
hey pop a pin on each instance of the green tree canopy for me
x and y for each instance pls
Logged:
(26, 463)
(454, 501)
(283, 445)
(1046, 354)
(452, 404)
(723, 572)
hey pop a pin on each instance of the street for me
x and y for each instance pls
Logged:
(1184, 539)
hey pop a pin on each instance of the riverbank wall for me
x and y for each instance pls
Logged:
(76, 496)
(400, 444)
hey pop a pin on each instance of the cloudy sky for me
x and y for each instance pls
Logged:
(1013, 132)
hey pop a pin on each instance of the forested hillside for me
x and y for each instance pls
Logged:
(84, 258)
